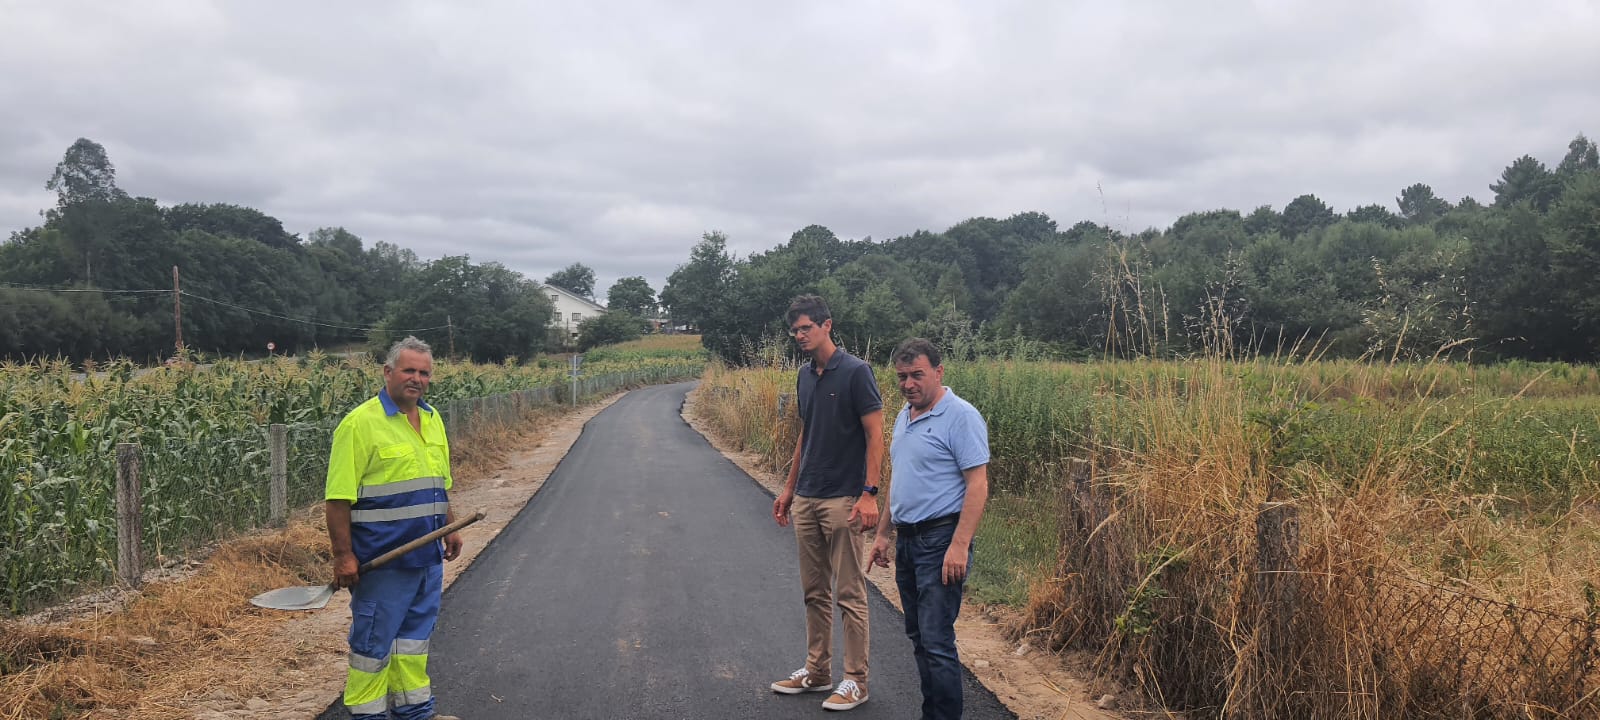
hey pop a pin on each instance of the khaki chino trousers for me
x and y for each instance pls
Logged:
(831, 569)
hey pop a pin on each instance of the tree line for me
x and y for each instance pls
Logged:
(95, 280)
(1514, 278)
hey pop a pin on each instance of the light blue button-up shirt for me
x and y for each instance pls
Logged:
(928, 455)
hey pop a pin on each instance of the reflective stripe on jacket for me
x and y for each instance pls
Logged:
(395, 479)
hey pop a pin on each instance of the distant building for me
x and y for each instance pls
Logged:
(571, 310)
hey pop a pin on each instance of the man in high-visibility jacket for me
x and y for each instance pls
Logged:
(388, 483)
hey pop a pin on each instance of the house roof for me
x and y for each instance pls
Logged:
(570, 294)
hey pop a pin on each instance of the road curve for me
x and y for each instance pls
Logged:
(647, 580)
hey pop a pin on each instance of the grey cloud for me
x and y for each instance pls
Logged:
(616, 133)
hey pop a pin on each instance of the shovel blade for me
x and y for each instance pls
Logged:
(309, 597)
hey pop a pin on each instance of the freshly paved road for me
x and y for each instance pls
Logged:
(647, 580)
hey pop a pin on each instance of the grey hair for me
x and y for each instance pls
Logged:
(409, 343)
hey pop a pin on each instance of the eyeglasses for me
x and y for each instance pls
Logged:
(799, 330)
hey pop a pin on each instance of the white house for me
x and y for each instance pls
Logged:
(571, 309)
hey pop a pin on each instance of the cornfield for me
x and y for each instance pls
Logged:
(202, 437)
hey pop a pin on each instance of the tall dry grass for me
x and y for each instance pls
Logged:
(1429, 547)
(1399, 591)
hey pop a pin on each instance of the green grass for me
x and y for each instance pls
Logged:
(1482, 479)
(1521, 436)
(1017, 542)
(1527, 432)
(686, 348)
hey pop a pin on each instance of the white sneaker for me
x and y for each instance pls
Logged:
(800, 681)
(846, 697)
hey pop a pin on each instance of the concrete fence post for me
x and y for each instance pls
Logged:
(130, 516)
(278, 491)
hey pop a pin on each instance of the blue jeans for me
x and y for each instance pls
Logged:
(931, 608)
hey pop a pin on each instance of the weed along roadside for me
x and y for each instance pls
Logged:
(187, 643)
(1261, 539)
(1032, 685)
(1278, 538)
(193, 647)
(202, 443)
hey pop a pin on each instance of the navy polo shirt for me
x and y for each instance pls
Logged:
(833, 451)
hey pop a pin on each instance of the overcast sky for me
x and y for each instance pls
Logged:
(616, 133)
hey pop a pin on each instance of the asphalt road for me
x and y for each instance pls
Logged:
(647, 580)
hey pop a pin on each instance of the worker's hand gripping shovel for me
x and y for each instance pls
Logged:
(313, 597)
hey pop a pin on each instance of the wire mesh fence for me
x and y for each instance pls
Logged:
(1382, 645)
(1437, 652)
(202, 481)
(1259, 631)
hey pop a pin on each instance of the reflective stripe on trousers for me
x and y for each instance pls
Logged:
(393, 613)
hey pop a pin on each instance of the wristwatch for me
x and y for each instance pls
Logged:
(870, 489)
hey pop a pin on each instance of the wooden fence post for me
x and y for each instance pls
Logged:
(278, 441)
(130, 516)
(1092, 512)
(1277, 579)
(1275, 594)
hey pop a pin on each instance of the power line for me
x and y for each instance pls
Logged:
(16, 286)
(254, 311)
(242, 308)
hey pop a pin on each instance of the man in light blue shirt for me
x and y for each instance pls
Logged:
(940, 458)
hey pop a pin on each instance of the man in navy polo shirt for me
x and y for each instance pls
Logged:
(940, 460)
(832, 486)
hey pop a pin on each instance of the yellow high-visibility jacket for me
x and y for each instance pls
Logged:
(396, 479)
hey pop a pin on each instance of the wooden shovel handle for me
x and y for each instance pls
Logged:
(419, 542)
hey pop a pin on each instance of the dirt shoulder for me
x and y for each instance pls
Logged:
(255, 664)
(1035, 685)
(318, 638)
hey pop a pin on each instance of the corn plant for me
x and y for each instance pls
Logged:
(202, 437)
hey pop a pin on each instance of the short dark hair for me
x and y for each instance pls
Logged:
(810, 306)
(916, 347)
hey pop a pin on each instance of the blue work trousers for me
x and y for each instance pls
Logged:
(931, 608)
(392, 614)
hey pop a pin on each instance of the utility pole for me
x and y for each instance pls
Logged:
(452, 325)
(177, 310)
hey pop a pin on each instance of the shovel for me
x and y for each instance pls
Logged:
(315, 597)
